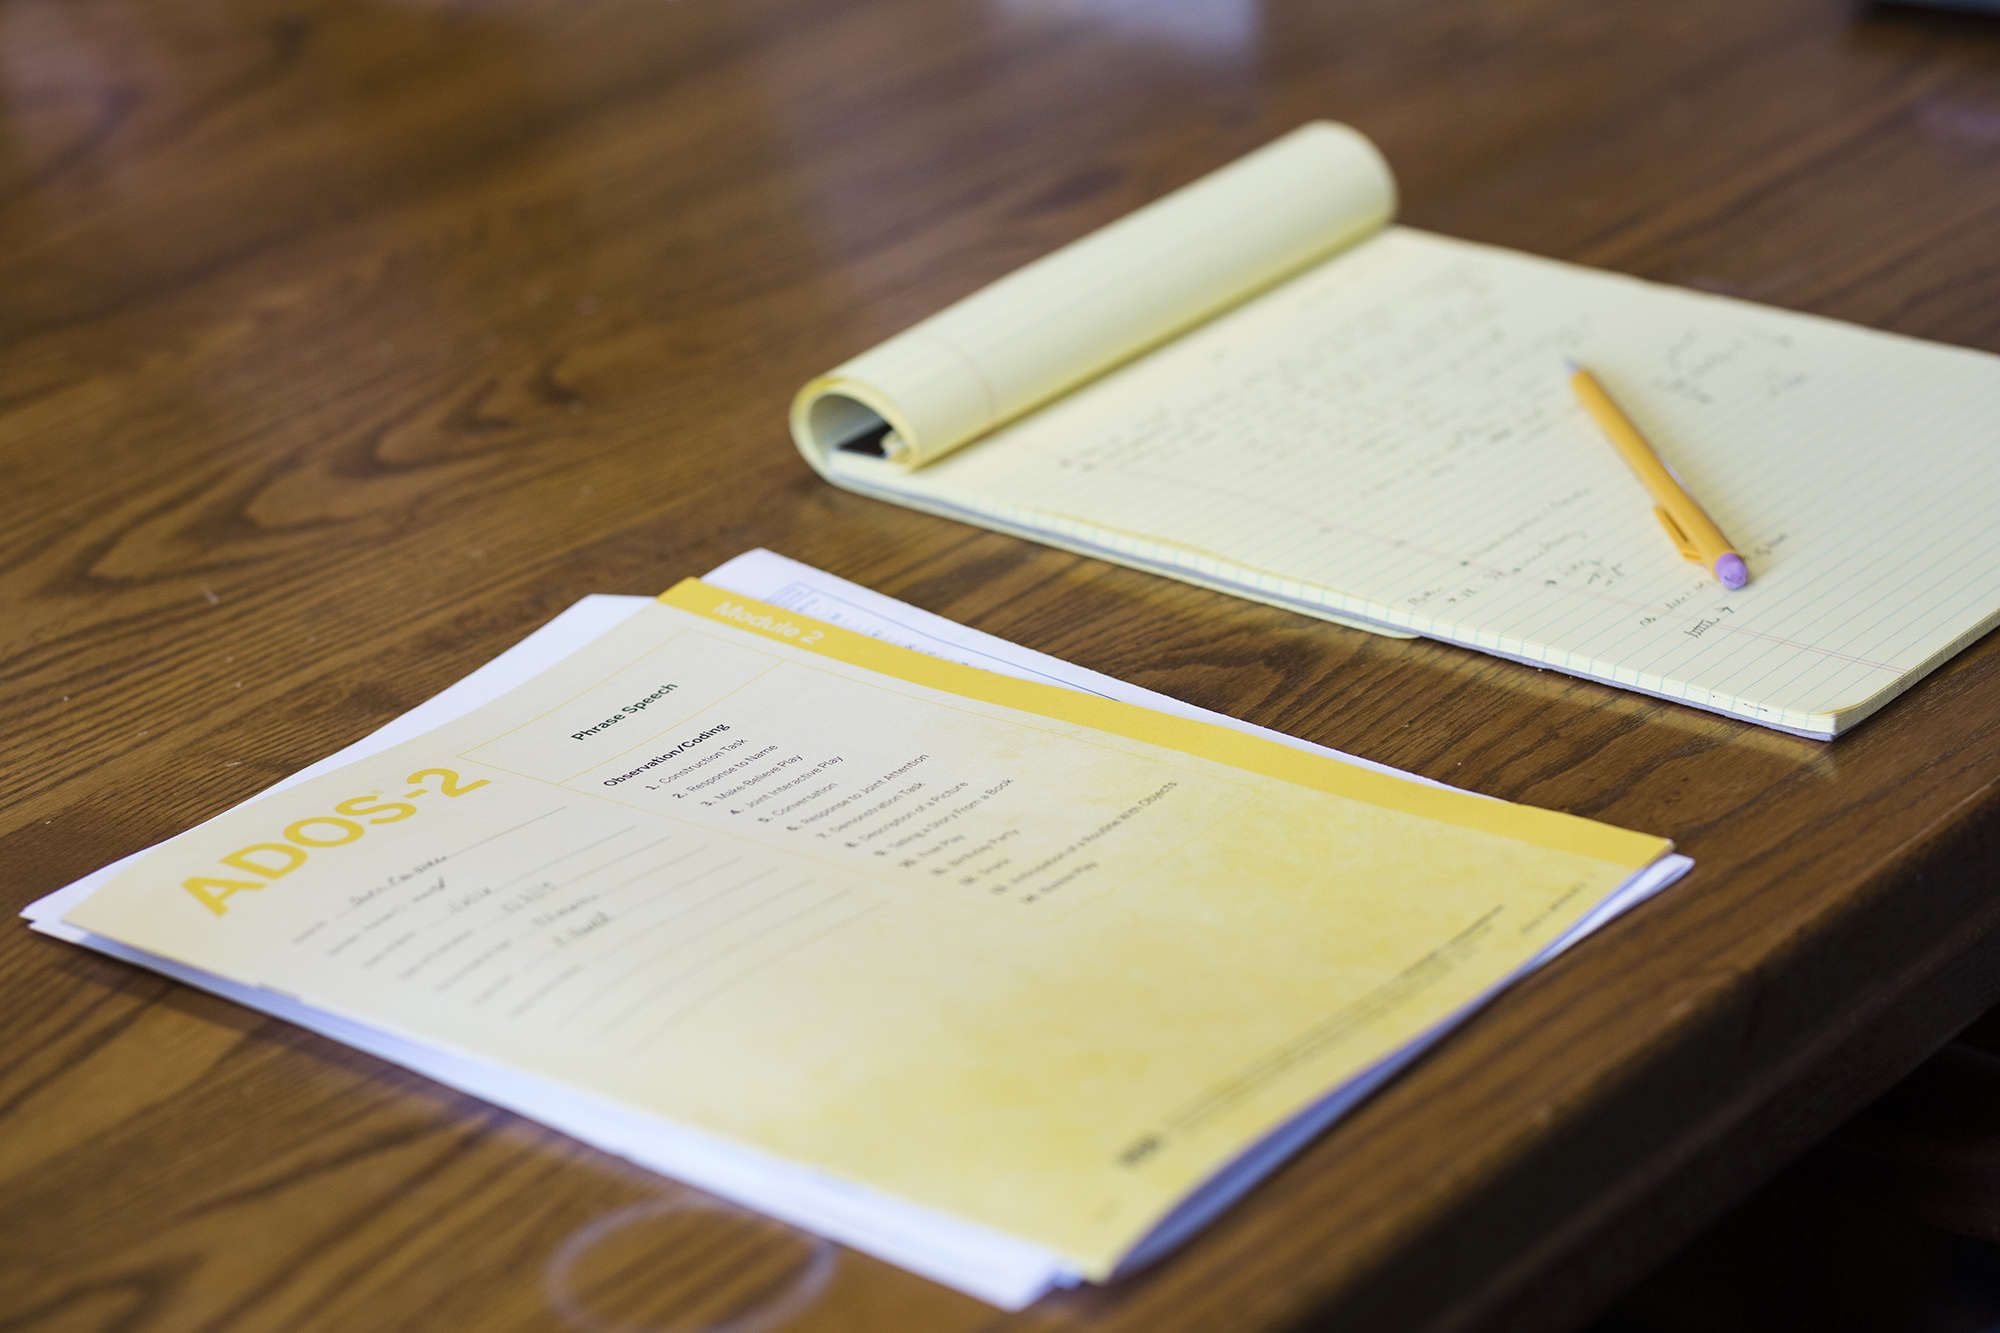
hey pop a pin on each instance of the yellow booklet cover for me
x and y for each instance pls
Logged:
(1034, 961)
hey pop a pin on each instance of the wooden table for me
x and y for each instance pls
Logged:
(342, 345)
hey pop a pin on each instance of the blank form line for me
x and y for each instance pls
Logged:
(574, 851)
(695, 938)
(759, 966)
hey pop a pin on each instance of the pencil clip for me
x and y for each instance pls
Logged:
(1679, 538)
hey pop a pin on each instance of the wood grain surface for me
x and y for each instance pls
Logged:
(343, 344)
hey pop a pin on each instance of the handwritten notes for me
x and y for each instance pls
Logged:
(1389, 437)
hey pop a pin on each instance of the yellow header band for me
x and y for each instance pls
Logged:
(1543, 828)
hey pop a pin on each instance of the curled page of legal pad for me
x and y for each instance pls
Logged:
(1074, 314)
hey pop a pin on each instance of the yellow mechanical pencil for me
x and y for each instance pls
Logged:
(1686, 523)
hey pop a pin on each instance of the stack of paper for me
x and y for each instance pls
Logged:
(1013, 976)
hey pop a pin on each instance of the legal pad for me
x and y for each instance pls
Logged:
(1261, 385)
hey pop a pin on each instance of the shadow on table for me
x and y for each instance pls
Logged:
(1891, 1225)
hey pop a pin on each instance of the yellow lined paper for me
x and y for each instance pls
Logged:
(1387, 438)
